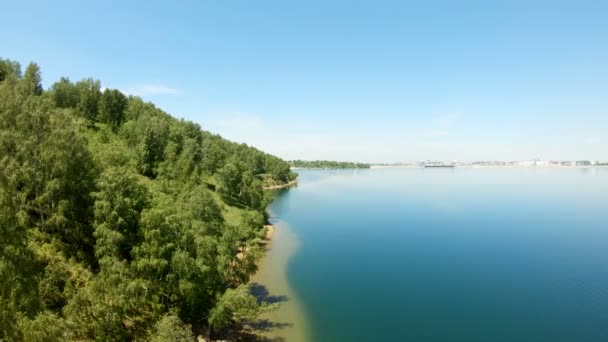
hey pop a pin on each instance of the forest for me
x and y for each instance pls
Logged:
(327, 164)
(120, 222)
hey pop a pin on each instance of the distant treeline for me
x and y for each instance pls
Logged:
(327, 164)
(119, 222)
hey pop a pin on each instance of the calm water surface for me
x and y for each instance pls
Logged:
(450, 254)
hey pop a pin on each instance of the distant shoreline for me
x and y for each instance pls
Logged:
(330, 168)
(492, 167)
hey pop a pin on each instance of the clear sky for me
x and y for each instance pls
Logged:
(377, 81)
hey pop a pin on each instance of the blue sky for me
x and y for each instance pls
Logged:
(378, 81)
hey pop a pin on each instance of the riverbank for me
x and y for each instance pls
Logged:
(270, 283)
(281, 186)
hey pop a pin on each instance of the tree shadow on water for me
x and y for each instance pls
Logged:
(255, 329)
(265, 325)
(256, 338)
(260, 292)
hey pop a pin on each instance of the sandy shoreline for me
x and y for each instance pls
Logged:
(281, 186)
(270, 283)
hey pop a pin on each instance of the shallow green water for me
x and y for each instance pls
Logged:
(450, 254)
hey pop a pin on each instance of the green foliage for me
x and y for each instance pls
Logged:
(152, 148)
(118, 204)
(89, 93)
(111, 227)
(45, 327)
(170, 328)
(17, 288)
(31, 82)
(251, 191)
(65, 93)
(230, 177)
(112, 107)
(9, 69)
(239, 186)
(214, 154)
(235, 307)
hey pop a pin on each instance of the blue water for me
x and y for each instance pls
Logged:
(451, 254)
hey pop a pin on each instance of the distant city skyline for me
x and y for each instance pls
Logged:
(533, 162)
(367, 81)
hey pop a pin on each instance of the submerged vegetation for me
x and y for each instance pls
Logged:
(327, 164)
(120, 222)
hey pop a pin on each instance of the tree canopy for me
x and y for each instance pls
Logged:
(120, 222)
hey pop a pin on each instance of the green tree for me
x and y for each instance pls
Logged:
(18, 285)
(112, 106)
(152, 147)
(89, 95)
(229, 178)
(170, 328)
(31, 82)
(118, 204)
(65, 93)
(235, 307)
(9, 69)
(92, 250)
(214, 155)
(182, 162)
(251, 193)
(45, 327)
(280, 171)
